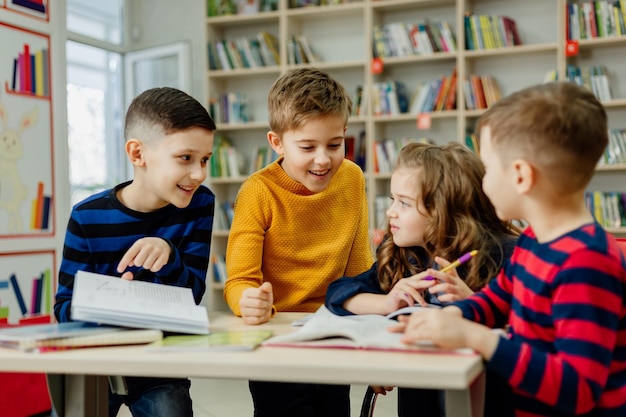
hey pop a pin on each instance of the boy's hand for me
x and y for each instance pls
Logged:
(443, 329)
(446, 328)
(150, 253)
(256, 304)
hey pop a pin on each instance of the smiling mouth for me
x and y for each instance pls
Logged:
(319, 173)
(186, 188)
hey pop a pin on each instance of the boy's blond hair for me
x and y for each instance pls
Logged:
(303, 94)
(560, 128)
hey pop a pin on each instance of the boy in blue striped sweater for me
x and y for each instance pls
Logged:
(156, 227)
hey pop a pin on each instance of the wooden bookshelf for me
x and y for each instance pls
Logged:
(341, 34)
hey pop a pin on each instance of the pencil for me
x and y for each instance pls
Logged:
(456, 263)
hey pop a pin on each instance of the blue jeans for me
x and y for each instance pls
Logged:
(285, 399)
(154, 397)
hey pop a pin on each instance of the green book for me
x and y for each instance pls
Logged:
(219, 341)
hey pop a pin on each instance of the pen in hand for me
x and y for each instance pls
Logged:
(454, 264)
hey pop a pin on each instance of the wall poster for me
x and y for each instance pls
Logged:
(27, 286)
(26, 151)
(33, 8)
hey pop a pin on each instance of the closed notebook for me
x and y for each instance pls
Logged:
(56, 336)
(220, 341)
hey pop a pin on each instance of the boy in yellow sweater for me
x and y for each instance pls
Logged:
(298, 224)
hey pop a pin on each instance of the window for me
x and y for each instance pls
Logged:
(101, 20)
(95, 96)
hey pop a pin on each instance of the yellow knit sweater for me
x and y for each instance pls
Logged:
(297, 240)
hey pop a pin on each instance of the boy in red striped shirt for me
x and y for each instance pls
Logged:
(563, 290)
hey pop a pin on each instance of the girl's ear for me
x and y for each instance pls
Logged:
(134, 150)
(275, 142)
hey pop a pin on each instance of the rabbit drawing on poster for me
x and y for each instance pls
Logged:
(13, 192)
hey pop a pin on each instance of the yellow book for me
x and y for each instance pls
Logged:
(39, 73)
(219, 341)
(486, 31)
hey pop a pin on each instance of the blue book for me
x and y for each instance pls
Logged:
(15, 72)
(18, 294)
(45, 213)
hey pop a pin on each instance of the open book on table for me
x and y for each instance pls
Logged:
(111, 300)
(72, 335)
(367, 331)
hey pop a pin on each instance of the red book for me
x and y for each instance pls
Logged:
(479, 93)
(27, 69)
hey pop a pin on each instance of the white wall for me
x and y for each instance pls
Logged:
(161, 22)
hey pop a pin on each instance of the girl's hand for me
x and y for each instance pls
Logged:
(448, 286)
(406, 292)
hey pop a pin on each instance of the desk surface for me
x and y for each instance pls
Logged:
(341, 366)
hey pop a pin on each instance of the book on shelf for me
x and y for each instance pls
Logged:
(593, 19)
(615, 152)
(397, 39)
(324, 329)
(111, 300)
(244, 340)
(269, 48)
(73, 335)
(218, 262)
(608, 208)
(490, 31)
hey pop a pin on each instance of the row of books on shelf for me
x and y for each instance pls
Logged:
(300, 52)
(386, 152)
(228, 162)
(399, 39)
(471, 141)
(230, 108)
(355, 147)
(243, 52)
(33, 303)
(391, 97)
(615, 152)
(480, 91)
(218, 263)
(31, 72)
(437, 95)
(294, 4)
(232, 7)
(490, 31)
(223, 217)
(596, 19)
(608, 208)
(595, 78)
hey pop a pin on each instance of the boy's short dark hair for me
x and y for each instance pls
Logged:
(303, 94)
(560, 128)
(164, 110)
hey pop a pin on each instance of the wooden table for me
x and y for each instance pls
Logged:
(86, 388)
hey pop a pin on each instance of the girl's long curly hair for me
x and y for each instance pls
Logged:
(448, 180)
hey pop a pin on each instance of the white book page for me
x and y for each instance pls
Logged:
(112, 300)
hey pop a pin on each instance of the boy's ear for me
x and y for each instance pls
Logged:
(134, 150)
(275, 142)
(525, 175)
